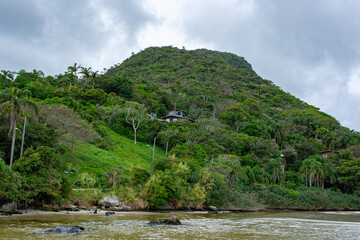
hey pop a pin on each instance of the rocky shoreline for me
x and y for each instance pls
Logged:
(105, 211)
(111, 204)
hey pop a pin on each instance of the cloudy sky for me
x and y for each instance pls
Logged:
(309, 48)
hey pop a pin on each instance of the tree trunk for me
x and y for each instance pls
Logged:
(310, 179)
(23, 138)
(13, 143)
(167, 145)
(153, 156)
(135, 135)
(317, 181)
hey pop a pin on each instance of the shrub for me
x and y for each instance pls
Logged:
(10, 184)
(139, 176)
(43, 178)
(160, 189)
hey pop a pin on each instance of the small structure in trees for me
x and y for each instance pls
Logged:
(283, 162)
(175, 115)
(327, 154)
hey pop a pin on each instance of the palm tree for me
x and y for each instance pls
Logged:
(235, 172)
(38, 73)
(274, 168)
(250, 174)
(73, 70)
(17, 99)
(329, 172)
(9, 75)
(260, 174)
(6, 77)
(93, 77)
(87, 73)
(313, 170)
(307, 170)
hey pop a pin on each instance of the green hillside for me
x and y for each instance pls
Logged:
(95, 160)
(250, 144)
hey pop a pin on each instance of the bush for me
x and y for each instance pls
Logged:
(139, 176)
(43, 178)
(10, 184)
(160, 189)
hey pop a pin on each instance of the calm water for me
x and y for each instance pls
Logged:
(263, 225)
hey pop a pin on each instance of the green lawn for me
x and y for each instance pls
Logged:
(95, 160)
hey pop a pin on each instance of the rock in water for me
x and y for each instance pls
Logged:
(64, 230)
(109, 213)
(154, 222)
(109, 201)
(173, 220)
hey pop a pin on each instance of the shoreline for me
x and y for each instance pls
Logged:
(90, 211)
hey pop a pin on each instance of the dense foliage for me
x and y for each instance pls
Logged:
(249, 143)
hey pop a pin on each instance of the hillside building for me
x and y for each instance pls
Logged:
(175, 115)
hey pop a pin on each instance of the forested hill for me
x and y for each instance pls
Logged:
(248, 144)
(210, 84)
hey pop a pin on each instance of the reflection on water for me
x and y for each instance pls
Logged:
(261, 225)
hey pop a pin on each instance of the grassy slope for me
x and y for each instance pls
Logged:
(95, 160)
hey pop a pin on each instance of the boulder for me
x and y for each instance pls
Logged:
(64, 230)
(9, 207)
(212, 208)
(109, 201)
(109, 213)
(173, 220)
(154, 222)
(68, 207)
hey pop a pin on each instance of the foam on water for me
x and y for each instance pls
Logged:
(273, 225)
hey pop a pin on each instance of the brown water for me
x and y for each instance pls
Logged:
(260, 225)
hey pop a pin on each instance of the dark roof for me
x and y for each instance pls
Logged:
(174, 116)
(178, 117)
(335, 152)
(176, 109)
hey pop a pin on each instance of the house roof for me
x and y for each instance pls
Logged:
(174, 116)
(176, 109)
(334, 152)
(177, 117)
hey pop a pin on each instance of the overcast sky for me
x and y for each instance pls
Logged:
(310, 48)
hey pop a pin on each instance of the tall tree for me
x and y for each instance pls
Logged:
(135, 114)
(73, 70)
(312, 169)
(38, 73)
(94, 74)
(9, 75)
(274, 169)
(17, 100)
(87, 73)
(6, 77)
(166, 135)
(235, 116)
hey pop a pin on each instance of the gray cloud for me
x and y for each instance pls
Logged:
(20, 18)
(307, 47)
(52, 35)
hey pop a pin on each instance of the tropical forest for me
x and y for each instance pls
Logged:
(170, 128)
